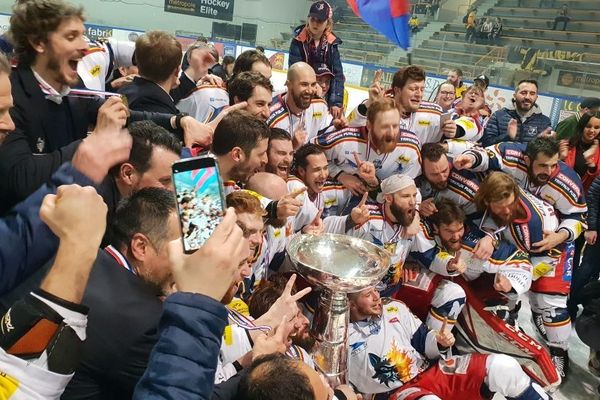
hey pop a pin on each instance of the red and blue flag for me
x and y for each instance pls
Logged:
(388, 17)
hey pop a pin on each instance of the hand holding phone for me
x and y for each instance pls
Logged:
(200, 199)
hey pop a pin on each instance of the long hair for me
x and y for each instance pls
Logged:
(581, 124)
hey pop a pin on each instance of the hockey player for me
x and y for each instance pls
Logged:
(524, 220)
(444, 248)
(418, 117)
(441, 180)
(390, 349)
(298, 111)
(360, 157)
(536, 167)
(280, 153)
(322, 197)
(393, 224)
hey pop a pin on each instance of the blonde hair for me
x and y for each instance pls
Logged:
(497, 186)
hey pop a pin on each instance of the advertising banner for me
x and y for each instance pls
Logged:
(213, 9)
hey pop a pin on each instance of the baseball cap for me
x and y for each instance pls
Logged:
(393, 184)
(321, 10)
(590, 102)
(483, 79)
(322, 69)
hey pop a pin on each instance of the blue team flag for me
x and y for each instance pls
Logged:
(388, 17)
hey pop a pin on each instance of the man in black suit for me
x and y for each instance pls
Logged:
(161, 84)
(50, 120)
(124, 296)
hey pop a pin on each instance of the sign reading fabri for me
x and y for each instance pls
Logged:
(214, 9)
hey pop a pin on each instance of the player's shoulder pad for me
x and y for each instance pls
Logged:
(329, 140)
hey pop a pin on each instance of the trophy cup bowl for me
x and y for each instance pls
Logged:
(338, 264)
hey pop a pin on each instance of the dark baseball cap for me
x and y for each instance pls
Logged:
(322, 69)
(321, 10)
(484, 79)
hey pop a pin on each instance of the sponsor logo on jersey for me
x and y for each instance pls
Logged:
(95, 71)
(423, 122)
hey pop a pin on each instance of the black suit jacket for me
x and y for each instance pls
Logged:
(121, 332)
(145, 95)
(38, 146)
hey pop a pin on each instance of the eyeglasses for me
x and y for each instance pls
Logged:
(447, 93)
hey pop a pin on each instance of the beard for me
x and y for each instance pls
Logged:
(404, 216)
(521, 106)
(539, 179)
(242, 172)
(439, 185)
(385, 144)
(304, 340)
(300, 102)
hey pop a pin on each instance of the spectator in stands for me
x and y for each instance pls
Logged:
(471, 25)
(260, 49)
(123, 291)
(482, 81)
(455, 76)
(435, 6)
(228, 66)
(521, 121)
(486, 30)
(580, 152)
(567, 128)
(413, 23)
(252, 60)
(496, 31)
(562, 15)
(324, 76)
(315, 44)
(446, 95)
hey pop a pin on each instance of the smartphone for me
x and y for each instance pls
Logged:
(200, 199)
(445, 117)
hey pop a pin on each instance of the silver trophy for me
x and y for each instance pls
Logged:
(340, 265)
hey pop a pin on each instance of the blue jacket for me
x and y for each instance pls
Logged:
(529, 127)
(183, 362)
(26, 243)
(329, 56)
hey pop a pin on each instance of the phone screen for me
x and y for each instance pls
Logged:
(200, 199)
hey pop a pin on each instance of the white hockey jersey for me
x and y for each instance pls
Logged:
(101, 59)
(423, 123)
(340, 146)
(387, 351)
(315, 118)
(205, 103)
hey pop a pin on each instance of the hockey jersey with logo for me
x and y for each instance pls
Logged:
(205, 103)
(340, 146)
(461, 189)
(429, 252)
(423, 123)
(564, 191)
(315, 118)
(386, 352)
(97, 65)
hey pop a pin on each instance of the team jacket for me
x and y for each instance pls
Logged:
(205, 103)
(564, 190)
(507, 260)
(423, 123)
(316, 117)
(386, 352)
(461, 189)
(340, 146)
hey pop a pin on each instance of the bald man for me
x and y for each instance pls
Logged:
(299, 111)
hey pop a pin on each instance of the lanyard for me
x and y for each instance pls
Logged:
(119, 258)
(246, 323)
(368, 151)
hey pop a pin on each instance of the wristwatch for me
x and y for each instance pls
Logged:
(178, 118)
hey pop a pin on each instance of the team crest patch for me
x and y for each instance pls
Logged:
(394, 367)
(95, 71)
